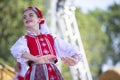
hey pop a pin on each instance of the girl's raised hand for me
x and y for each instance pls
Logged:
(70, 61)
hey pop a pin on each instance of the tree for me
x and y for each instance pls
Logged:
(112, 24)
(12, 27)
(94, 39)
(110, 20)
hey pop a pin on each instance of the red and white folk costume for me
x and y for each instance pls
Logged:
(40, 45)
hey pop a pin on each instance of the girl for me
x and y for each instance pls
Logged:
(40, 49)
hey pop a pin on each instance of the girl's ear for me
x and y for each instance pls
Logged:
(39, 20)
(42, 21)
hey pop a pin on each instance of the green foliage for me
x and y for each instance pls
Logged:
(113, 20)
(103, 40)
(112, 23)
(93, 38)
(12, 27)
(66, 72)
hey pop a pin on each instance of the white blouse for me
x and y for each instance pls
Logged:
(63, 49)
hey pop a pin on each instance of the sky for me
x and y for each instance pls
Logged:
(86, 5)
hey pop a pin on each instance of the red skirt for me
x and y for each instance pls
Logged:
(20, 78)
(47, 71)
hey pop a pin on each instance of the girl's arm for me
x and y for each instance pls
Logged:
(39, 60)
(68, 53)
(30, 57)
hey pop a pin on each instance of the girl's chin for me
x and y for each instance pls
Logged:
(30, 25)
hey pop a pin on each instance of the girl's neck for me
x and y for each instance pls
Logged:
(34, 31)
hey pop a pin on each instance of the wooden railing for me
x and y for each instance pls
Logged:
(6, 72)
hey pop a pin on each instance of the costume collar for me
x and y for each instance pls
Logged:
(32, 33)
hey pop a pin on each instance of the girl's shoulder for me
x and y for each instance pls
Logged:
(21, 39)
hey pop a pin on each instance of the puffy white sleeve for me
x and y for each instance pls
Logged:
(65, 49)
(19, 48)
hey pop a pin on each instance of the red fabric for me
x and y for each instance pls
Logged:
(37, 49)
(41, 16)
(52, 72)
(27, 76)
(19, 66)
(20, 78)
(33, 46)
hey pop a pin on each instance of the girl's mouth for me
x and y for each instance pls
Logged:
(28, 21)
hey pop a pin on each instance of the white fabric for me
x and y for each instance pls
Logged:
(24, 68)
(63, 49)
(19, 48)
(44, 29)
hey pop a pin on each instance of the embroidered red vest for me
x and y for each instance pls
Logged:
(41, 45)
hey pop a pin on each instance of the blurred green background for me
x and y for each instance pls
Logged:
(99, 29)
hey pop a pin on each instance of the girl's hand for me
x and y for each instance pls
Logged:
(45, 59)
(70, 61)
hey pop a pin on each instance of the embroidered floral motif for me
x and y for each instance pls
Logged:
(43, 44)
(41, 39)
(50, 69)
(45, 51)
(52, 78)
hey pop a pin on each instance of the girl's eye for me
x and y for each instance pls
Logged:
(30, 15)
(24, 17)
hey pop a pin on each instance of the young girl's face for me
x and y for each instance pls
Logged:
(30, 19)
